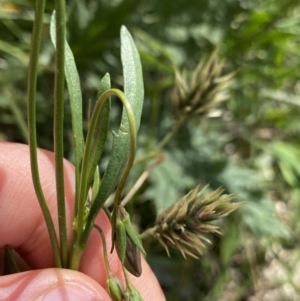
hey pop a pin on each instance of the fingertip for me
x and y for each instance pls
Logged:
(147, 284)
(50, 285)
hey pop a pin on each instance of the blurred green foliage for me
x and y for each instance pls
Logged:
(251, 148)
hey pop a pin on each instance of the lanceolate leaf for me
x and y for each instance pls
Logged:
(134, 91)
(116, 164)
(133, 76)
(100, 134)
(75, 97)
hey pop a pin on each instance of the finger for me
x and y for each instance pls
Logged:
(147, 284)
(22, 225)
(49, 285)
(93, 262)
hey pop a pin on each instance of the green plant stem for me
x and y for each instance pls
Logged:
(127, 279)
(83, 190)
(82, 230)
(31, 111)
(171, 133)
(163, 142)
(104, 247)
(59, 90)
(147, 233)
(151, 155)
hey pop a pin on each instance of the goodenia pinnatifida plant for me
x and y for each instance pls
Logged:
(183, 225)
(87, 150)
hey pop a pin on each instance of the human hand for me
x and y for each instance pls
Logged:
(23, 228)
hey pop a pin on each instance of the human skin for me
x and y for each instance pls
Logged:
(23, 228)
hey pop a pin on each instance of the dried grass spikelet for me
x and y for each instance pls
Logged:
(186, 223)
(201, 92)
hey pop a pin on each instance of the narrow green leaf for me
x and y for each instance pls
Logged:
(121, 240)
(75, 97)
(134, 91)
(116, 164)
(133, 76)
(100, 134)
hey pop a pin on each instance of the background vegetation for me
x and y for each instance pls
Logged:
(250, 147)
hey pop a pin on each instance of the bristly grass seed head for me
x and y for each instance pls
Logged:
(186, 223)
(199, 93)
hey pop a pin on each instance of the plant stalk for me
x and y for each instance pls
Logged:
(31, 112)
(104, 247)
(59, 91)
(147, 233)
(170, 134)
(163, 142)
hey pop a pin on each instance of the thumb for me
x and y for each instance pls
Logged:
(51, 285)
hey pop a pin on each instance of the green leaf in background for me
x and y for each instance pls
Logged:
(156, 54)
(75, 97)
(288, 158)
(268, 225)
(169, 183)
(14, 51)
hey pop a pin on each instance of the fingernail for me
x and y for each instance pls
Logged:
(71, 293)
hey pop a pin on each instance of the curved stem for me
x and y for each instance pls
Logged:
(31, 112)
(104, 247)
(83, 181)
(59, 90)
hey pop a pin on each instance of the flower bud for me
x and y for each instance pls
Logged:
(115, 288)
(128, 243)
(133, 263)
